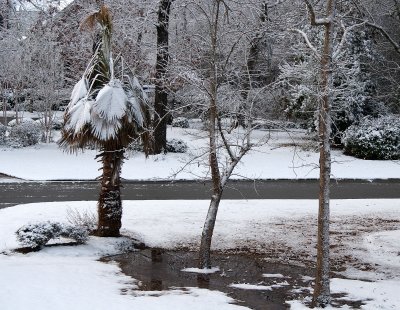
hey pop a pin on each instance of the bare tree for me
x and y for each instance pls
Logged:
(321, 295)
(217, 39)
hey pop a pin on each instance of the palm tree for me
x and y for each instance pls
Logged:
(107, 110)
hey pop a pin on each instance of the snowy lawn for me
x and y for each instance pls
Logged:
(278, 159)
(365, 236)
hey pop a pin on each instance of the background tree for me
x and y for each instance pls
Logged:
(107, 110)
(211, 54)
(46, 75)
(161, 94)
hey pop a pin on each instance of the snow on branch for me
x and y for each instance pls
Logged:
(344, 37)
(386, 35)
(305, 37)
(313, 19)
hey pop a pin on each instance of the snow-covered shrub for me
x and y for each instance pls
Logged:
(35, 235)
(3, 134)
(176, 146)
(374, 138)
(274, 124)
(13, 122)
(77, 233)
(25, 134)
(181, 122)
(38, 234)
(133, 148)
(57, 124)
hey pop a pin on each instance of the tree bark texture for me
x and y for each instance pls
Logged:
(109, 204)
(321, 296)
(161, 95)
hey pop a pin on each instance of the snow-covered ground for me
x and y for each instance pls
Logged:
(282, 157)
(365, 233)
(365, 236)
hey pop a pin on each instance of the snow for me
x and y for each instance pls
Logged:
(79, 91)
(375, 295)
(245, 286)
(273, 275)
(111, 101)
(277, 159)
(202, 271)
(66, 277)
(79, 114)
(71, 277)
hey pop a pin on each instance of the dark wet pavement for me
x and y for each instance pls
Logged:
(13, 193)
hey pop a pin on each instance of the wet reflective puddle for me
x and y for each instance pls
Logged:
(249, 279)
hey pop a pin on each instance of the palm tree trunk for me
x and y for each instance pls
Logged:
(109, 204)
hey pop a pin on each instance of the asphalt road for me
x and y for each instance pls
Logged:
(27, 192)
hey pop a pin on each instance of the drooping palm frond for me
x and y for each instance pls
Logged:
(108, 106)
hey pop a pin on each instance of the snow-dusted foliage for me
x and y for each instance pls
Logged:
(3, 133)
(176, 146)
(353, 94)
(38, 234)
(374, 138)
(181, 122)
(25, 134)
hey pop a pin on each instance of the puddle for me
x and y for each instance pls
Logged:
(160, 270)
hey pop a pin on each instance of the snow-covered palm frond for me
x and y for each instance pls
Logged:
(135, 89)
(79, 115)
(80, 91)
(111, 101)
(107, 108)
(136, 111)
(103, 129)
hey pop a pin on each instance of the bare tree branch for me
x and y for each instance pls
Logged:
(344, 37)
(313, 19)
(305, 37)
(395, 45)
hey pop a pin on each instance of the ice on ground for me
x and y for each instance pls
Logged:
(274, 275)
(202, 270)
(246, 286)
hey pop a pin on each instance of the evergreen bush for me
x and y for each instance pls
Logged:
(38, 234)
(25, 134)
(176, 146)
(374, 138)
(181, 122)
(3, 134)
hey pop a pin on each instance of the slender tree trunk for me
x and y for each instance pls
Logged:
(208, 229)
(161, 95)
(109, 204)
(321, 295)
